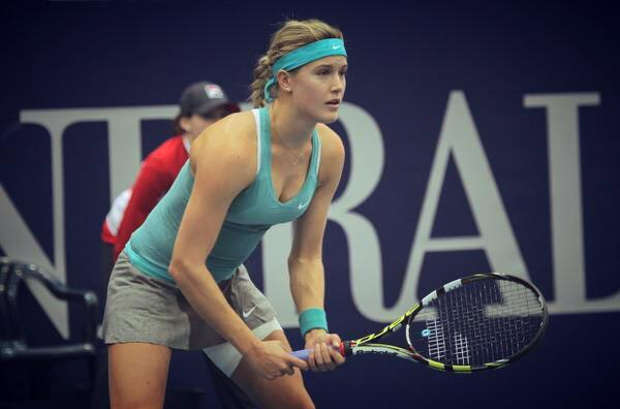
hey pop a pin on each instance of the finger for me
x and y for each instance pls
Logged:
(330, 352)
(319, 358)
(293, 361)
(325, 358)
(290, 359)
(336, 356)
(334, 339)
(312, 361)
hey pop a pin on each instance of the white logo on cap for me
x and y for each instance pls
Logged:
(214, 91)
(335, 46)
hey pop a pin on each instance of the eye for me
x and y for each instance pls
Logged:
(324, 72)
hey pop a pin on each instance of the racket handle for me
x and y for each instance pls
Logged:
(304, 353)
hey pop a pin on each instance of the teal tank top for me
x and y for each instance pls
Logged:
(251, 213)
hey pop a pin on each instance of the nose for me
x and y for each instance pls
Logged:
(338, 83)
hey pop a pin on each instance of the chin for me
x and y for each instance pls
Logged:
(328, 117)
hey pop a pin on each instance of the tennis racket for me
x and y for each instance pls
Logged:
(479, 322)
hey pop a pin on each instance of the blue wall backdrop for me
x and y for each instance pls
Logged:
(480, 136)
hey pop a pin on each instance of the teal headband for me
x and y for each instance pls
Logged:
(302, 56)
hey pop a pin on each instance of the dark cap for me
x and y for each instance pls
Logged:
(202, 97)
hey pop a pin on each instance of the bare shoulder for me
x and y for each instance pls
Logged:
(332, 147)
(240, 123)
(230, 143)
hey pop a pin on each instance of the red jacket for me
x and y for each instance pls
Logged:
(155, 177)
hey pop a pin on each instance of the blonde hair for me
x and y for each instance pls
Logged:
(293, 34)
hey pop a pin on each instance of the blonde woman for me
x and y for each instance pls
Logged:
(180, 282)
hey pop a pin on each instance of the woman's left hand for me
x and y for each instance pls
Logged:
(325, 355)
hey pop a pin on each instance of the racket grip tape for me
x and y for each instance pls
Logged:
(344, 349)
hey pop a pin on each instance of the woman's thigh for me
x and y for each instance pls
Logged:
(286, 391)
(137, 375)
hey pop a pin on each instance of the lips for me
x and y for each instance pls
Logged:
(333, 102)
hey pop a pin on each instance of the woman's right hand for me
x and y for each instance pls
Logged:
(271, 360)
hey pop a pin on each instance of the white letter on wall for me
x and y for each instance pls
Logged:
(565, 199)
(460, 137)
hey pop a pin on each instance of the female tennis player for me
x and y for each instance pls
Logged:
(180, 282)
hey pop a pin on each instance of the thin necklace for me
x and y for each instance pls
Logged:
(293, 157)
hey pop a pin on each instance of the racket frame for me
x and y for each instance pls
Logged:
(365, 346)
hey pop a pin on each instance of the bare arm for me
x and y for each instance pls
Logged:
(306, 261)
(222, 164)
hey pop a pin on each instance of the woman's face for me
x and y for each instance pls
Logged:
(318, 87)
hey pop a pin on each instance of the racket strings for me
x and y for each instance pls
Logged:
(481, 322)
(436, 340)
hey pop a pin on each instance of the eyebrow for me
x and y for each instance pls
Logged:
(330, 66)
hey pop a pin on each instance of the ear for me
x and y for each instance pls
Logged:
(185, 124)
(284, 80)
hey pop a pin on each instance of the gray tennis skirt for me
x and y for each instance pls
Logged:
(140, 308)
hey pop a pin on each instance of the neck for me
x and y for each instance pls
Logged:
(187, 140)
(188, 136)
(289, 127)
